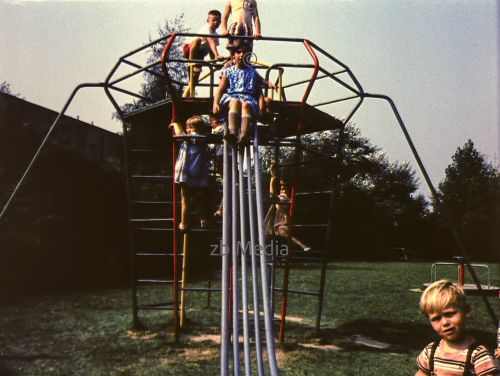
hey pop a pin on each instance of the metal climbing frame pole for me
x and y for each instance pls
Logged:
(297, 156)
(183, 280)
(331, 225)
(255, 281)
(244, 275)
(268, 319)
(175, 216)
(224, 250)
(234, 265)
(435, 196)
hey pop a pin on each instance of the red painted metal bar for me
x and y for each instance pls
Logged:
(175, 217)
(461, 273)
(300, 128)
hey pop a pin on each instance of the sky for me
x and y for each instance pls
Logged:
(437, 59)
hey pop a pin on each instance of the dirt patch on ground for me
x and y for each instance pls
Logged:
(320, 347)
(191, 354)
(367, 341)
(142, 335)
(215, 338)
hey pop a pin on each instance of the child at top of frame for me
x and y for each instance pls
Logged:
(199, 47)
(239, 91)
(244, 14)
(192, 170)
(277, 219)
(457, 352)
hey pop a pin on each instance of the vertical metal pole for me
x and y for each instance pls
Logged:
(175, 246)
(226, 223)
(284, 299)
(183, 279)
(268, 319)
(234, 264)
(255, 282)
(461, 272)
(244, 249)
(209, 282)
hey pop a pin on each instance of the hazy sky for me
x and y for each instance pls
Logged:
(437, 59)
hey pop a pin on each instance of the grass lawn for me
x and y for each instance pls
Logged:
(367, 306)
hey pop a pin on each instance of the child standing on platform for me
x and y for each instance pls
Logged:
(457, 352)
(192, 170)
(199, 47)
(244, 14)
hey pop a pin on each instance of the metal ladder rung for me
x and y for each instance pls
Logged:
(310, 225)
(298, 292)
(149, 151)
(201, 289)
(159, 281)
(145, 202)
(152, 229)
(158, 254)
(152, 177)
(151, 220)
(156, 306)
(313, 193)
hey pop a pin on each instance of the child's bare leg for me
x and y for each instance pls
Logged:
(246, 122)
(234, 117)
(283, 232)
(201, 200)
(194, 48)
(304, 247)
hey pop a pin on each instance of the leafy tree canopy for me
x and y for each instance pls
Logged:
(154, 86)
(5, 88)
(470, 190)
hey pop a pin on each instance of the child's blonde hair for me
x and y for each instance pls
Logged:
(440, 295)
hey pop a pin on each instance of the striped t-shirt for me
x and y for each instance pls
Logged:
(453, 363)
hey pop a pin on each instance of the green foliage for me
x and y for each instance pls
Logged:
(5, 88)
(88, 333)
(469, 198)
(377, 207)
(154, 87)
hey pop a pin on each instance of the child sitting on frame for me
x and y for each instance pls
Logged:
(238, 93)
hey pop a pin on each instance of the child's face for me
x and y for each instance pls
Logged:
(191, 129)
(449, 324)
(214, 122)
(239, 57)
(213, 22)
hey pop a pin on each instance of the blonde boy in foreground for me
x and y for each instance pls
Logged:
(457, 353)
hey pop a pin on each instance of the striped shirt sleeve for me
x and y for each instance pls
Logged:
(484, 363)
(423, 358)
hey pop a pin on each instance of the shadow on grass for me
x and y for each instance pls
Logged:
(399, 337)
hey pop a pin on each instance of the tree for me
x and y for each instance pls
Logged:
(469, 199)
(154, 87)
(5, 88)
(377, 207)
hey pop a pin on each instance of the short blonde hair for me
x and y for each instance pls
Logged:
(440, 295)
